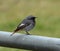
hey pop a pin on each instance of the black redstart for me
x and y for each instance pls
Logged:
(26, 25)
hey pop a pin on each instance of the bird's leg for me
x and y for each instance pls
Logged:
(27, 32)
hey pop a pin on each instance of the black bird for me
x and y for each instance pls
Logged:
(26, 25)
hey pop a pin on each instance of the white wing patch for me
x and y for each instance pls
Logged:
(21, 25)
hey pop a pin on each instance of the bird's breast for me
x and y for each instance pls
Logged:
(31, 26)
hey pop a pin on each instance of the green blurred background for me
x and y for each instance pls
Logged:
(12, 12)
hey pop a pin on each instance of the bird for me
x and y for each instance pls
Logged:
(27, 24)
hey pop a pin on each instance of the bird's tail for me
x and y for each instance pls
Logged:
(15, 31)
(12, 33)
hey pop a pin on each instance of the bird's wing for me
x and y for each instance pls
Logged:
(23, 24)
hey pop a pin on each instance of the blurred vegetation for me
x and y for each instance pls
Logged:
(12, 12)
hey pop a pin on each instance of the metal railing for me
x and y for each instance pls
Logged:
(29, 42)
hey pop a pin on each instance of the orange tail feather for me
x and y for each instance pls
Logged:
(12, 33)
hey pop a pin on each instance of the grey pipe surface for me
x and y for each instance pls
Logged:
(29, 42)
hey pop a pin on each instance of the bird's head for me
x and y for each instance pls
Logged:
(31, 17)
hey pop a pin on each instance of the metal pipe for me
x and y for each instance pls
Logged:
(29, 42)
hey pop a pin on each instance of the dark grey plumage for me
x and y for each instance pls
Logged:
(26, 25)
